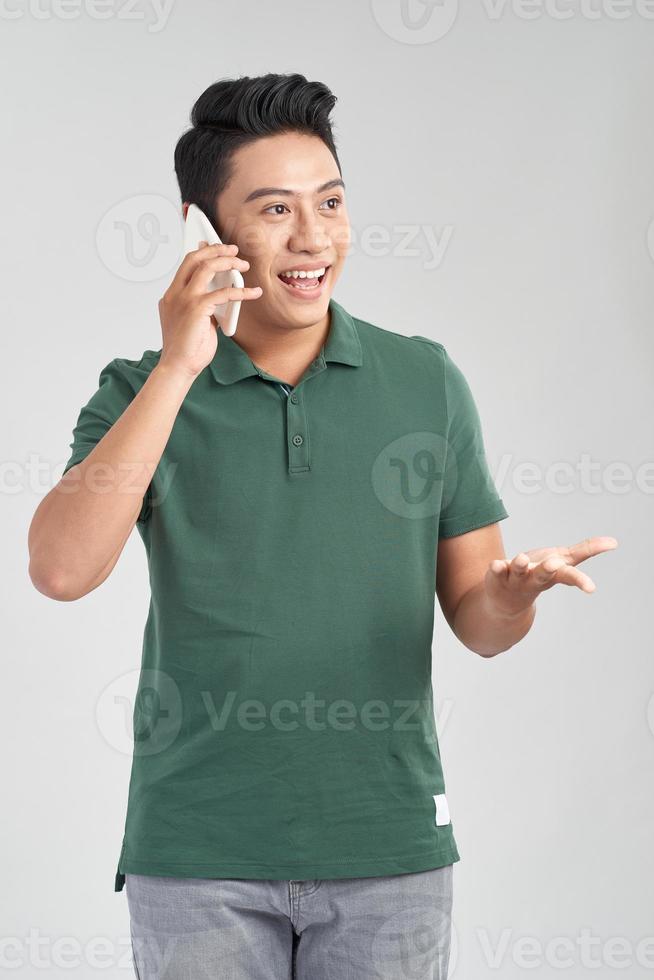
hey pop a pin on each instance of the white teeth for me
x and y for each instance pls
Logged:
(293, 274)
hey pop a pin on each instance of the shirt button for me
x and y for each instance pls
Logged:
(294, 399)
(297, 439)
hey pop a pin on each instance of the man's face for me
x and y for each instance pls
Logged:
(300, 220)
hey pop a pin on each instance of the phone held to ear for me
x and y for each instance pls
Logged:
(198, 228)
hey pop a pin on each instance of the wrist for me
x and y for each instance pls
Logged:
(174, 373)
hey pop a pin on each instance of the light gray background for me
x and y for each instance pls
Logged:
(523, 137)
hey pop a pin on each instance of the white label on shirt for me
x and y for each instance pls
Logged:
(442, 810)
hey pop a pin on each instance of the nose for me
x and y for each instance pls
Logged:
(307, 233)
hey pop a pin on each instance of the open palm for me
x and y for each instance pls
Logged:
(514, 584)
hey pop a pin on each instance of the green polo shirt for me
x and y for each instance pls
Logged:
(284, 720)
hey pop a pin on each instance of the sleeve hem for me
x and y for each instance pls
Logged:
(460, 525)
(77, 457)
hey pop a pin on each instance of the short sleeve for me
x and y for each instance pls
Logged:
(470, 498)
(105, 406)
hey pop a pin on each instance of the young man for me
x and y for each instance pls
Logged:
(301, 489)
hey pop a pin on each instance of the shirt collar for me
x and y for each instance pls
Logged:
(231, 363)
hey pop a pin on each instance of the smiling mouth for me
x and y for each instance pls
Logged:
(305, 285)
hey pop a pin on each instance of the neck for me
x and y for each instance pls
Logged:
(281, 351)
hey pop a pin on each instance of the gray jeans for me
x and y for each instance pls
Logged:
(390, 927)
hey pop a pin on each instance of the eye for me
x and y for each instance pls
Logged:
(338, 203)
(337, 200)
(267, 210)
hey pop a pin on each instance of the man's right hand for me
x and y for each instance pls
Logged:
(188, 326)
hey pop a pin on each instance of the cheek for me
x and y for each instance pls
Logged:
(255, 245)
(261, 264)
(342, 239)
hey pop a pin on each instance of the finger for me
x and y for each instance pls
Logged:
(204, 272)
(544, 573)
(536, 555)
(555, 570)
(499, 567)
(590, 547)
(574, 576)
(231, 293)
(196, 258)
(519, 566)
(191, 260)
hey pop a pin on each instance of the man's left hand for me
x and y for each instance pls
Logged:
(512, 585)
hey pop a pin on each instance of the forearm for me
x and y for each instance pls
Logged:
(81, 526)
(486, 630)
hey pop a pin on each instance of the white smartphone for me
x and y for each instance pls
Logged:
(198, 228)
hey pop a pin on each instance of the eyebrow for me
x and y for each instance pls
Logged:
(268, 191)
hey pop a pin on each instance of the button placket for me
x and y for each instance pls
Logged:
(297, 435)
(297, 426)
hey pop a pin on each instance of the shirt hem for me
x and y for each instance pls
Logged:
(292, 871)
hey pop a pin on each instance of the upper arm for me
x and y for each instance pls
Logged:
(469, 535)
(105, 406)
(462, 562)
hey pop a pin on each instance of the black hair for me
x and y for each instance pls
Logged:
(232, 113)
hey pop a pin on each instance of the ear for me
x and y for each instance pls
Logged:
(185, 207)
